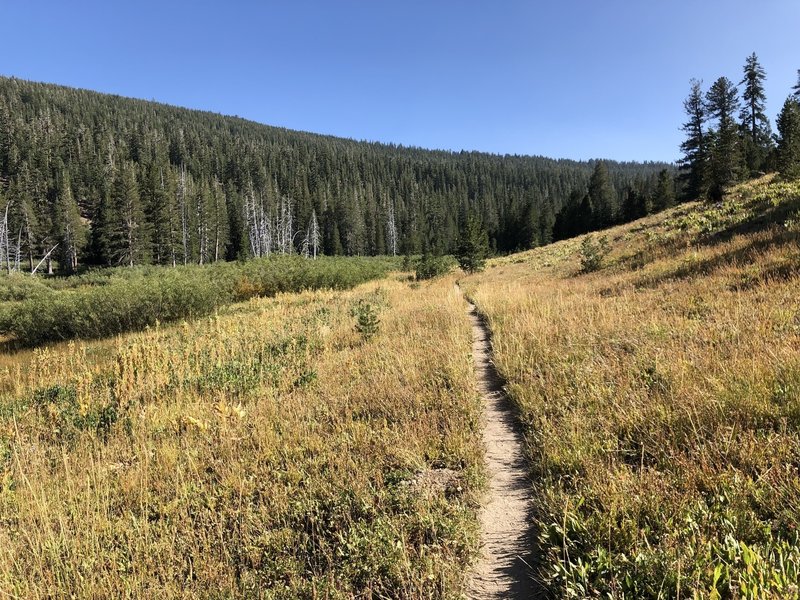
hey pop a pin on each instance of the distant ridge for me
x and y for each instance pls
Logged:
(109, 180)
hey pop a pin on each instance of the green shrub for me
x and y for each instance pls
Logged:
(429, 266)
(130, 300)
(593, 253)
(367, 321)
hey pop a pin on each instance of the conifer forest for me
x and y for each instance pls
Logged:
(93, 179)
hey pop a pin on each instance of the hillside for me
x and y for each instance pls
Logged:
(112, 181)
(327, 443)
(660, 394)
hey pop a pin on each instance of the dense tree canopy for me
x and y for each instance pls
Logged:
(717, 153)
(112, 181)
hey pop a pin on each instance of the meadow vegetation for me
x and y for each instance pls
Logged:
(660, 391)
(271, 449)
(111, 301)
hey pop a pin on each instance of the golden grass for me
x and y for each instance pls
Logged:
(661, 398)
(268, 451)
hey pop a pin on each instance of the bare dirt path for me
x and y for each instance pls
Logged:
(503, 570)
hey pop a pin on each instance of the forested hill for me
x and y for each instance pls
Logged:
(100, 179)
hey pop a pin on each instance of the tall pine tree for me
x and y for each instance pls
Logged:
(755, 124)
(725, 161)
(68, 229)
(130, 232)
(694, 163)
(789, 139)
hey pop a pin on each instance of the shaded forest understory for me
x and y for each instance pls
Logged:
(96, 179)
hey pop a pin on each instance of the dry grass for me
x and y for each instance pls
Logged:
(661, 397)
(268, 451)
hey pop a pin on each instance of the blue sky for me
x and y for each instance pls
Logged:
(568, 79)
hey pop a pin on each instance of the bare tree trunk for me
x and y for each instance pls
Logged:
(46, 257)
(184, 219)
(5, 248)
(18, 252)
(391, 230)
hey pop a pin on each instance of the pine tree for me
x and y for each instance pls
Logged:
(530, 223)
(547, 222)
(602, 196)
(796, 88)
(789, 139)
(129, 244)
(664, 195)
(220, 226)
(725, 163)
(694, 164)
(473, 247)
(158, 201)
(755, 124)
(68, 229)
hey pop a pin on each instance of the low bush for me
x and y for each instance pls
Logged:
(130, 300)
(429, 266)
(593, 253)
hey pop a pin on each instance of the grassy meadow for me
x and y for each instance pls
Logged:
(661, 399)
(266, 450)
(326, 443)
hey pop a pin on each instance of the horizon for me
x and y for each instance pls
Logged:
(463, 77)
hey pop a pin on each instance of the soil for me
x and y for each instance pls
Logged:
(504, 569)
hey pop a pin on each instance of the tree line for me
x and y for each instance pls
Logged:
(729, 136)
(95, 179)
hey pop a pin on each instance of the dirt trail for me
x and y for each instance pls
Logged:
(503, 570)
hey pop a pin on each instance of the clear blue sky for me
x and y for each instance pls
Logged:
(569, 78)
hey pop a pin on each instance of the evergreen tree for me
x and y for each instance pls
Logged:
(205, 185)
(569, 219)
(547, 221)
(129, 241)
(473, 247)
(158, 201)
(68, 229)
(796, 88)
(636, 203)
(631, 203)
(664, 195)
(602, 196)
(789, 139)
(236, 248)
(725, 161)
(219, 228)
(694, 164)
(529, 226)
(755, 124)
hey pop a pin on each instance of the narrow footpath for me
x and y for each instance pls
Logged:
(503, 570)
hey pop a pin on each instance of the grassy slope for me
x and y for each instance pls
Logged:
(661, 397)
(268, 451)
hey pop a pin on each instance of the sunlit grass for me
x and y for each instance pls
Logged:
(269, 450)
(661, 397)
